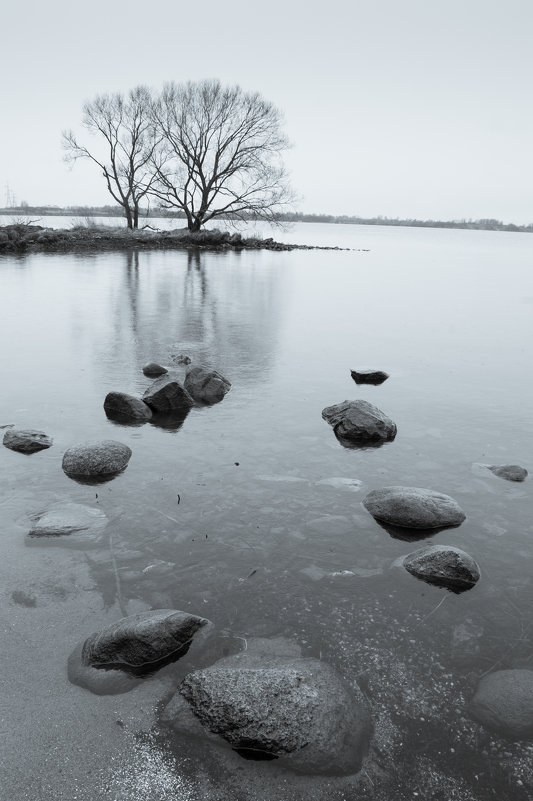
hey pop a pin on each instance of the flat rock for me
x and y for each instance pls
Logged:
(413, 507)
(67, 519)
(360, 422)
(114, 659)
(511, 472)
(205, 385)
(26, 440)
(152, 370)
(269, 706)
(93, 460)
(369, 376)
(121, 405)
(167, 395)
(503, 702)
(443, 565)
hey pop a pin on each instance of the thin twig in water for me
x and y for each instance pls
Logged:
(432, 611)
(120, 599)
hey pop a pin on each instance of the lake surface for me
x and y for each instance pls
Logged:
(234, 515)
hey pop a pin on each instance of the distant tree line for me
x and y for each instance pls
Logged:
(201, 149)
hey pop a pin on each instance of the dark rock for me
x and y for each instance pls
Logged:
(369, 376)
(98, 459)
(443, 565)
(268, 705)
(26, 441)
(114, 659)
(503, 702)
(167, 395)
(152, 369)
(360, 422)
(206, 386)
(412, 507)
(179, 358)
(120, 405)
(67, 519)
(511, 472)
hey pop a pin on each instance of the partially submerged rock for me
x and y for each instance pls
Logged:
(96, 460)
(268, 706)
(360, 423)
(443, 565)
(511, 472)
(503, 702)
(152, 370)
(180, 358)
(67, 519)
(167, 395)
(119, 405)
(206, 386)
(413, 507)
(369, 376)
(114, 659)
(26, 440)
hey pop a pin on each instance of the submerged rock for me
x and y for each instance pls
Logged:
(167, 395)
(413, 507)
(152, 369)
(67, 519)
(503, 702)
(180, 358)
(114, 659)
(26, 440)
(360, 422)
(443, 565)
(511, 472)
(369, 376)
(96, 460)
(206, 386)
(268, 705)
(120, 405)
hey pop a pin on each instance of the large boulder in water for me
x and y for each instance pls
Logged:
(167, 395)
(503, 702)
(114, 659)
(81, 525)
(360, 422)
(119, 405)
(511, 472)
(26, 440)
(96, 460)
(152, 369)
(206, 386)
(413, 507)
(443, 565)
(270, 706)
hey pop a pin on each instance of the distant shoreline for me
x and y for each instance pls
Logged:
(115, 211)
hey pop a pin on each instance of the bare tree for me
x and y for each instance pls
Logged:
(220, 153)
(125, 149)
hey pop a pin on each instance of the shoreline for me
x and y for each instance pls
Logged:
(23, 238)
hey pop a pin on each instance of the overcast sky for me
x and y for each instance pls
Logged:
(408, 108)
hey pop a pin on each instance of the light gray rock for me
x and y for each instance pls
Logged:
(511, 472)
(113, 659)
(369, 376)
(503, 702)
(152, 370)
(268, 706)
(119, 404)
(443, 565)
(67, 519)
(360, 422)
(206, 386)
(167, 395)
(26, 440)
(93, 460)
(413, 507)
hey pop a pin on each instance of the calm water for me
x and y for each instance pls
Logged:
(232, 515)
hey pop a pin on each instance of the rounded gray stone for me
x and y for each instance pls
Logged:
(360, 422)
(119, 404)
(26, 440)
(503, 702)
(511, 472)
(413, 507)
(443, 565)
(152, 369)
(167, 395)
(369, 376)
(104, 458)
(206, 386)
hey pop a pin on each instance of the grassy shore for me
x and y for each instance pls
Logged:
(34, 238)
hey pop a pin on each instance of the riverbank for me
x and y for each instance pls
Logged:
(35, 238)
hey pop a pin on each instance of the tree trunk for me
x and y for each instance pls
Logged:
(195, 224)
(136, 216)
(129, 218)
